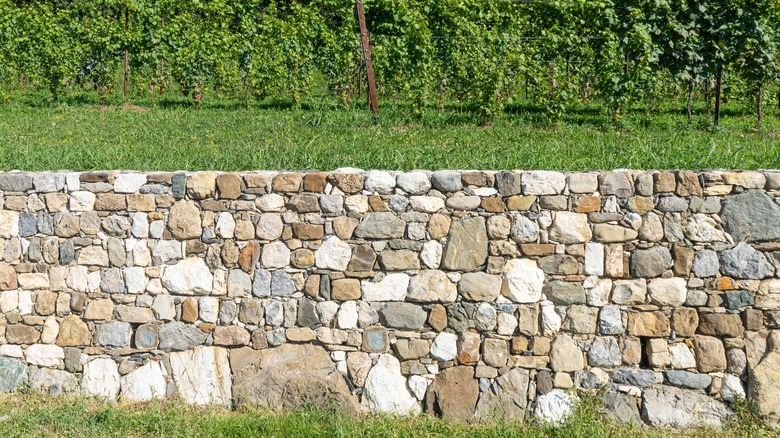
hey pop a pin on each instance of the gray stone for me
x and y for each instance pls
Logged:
(705, 263)
(28, 224)
(262, 283)
(667, 406)
(282, 284)
(604, 352)
(178, 336)
(307, 313)
(479, 286)
(467, 245)
(751, 216)
(621, 408)
(13, 374)
(53, 382)
(380, 225)
(637, 377)
(115, 225)
(610, 321)
(414, 183)
(508, 183)
(523, 229)
(460, 316)
(113, 334)
(15, 182)
(111, 281)
(147, 336)
(404, 316)
(745, 262)
(506, 398)
(331, 203)
(616, 183)
(227, 312)
(559, 264)
(671, 204)
(735, 299)
(447, 180)
(651, 262)
(178, 185)
(565, 293)
(687, 379)
(710, 204)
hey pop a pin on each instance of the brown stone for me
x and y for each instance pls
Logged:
(345, 289)
(229, 254)
(302, 258)
(231, 336)
(45, 302)
(685, 320)
(349, 183)
(468, 347)
(688, 183)
(721, 324)
(304, 204)
(753, 319)
(439, 226)
(229, 185)
(493, 204)
(189, 310)
(520, 203)
(725, 283)
(409, 349)
(248, 257)
(631, 350)
(110, 202)
(344, 227)
(73, 332)
(21, 334)
(528, 320)
(587, 204)
(537, 249)
(257, 181)
(664, 182)
(140, 202)
(375, 203)
(453, 394)
(518, 345)
(641, 204)
(304, 231)
(286, 182)
(99, 310)
(648, 324)
(315, 182)
(7, 277)
(68, 225)
(710, 354)
(184, 220)
(55, 201)
(683, 260)
(312, 286)
(437, 319)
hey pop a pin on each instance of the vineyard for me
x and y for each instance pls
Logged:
(480, 54)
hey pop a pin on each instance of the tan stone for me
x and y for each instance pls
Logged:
(658, 355)
(55, 201)
(437, 319)
(439, 226)
(607, 233)
(641, 204)
(520, 203)
(631, 350)
(685, 320)
(345, 289)
(229, 185)
(710, 354)
(110, 202)
(493, 204)
(140, 202)
(189, 310)
(201, 185)
(312, 286)
(688, 183)
(344, 227)
(45, 303)
(68, 225)
(349, 183)
(184, 220)
(664, 182)
(587, 204)
(302, 258)
(300, 334)
(21, 334)
(286, 182)
(99, 310)
(73, 332)
(683, 260)
(408, 349)
(721, 324)
(7, 277)
(565, 355)
(537, 249)
(648, 324)
(230, 336)
(304, 231)
(315, 182)
(614, 264)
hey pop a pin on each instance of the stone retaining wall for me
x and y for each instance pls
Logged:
(465, 294)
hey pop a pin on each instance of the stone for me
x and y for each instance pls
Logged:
(413, 183)
(380, 225)
(147, 336)
(403, 316)
(275, 255)
(408, 349)
(184, 220)
(13, 374)
(607, 233)
(751, 216)
(637, 377)
(762, 384)
(269, 226)
(129, 182)
(495, 352)
(401, 260)
(506, 399)
(652, 262)
(201, 185)
(523, 229)
(202, 376)
(705, 263)
(231, 336)
(648, 324)
(721, 324)
(747, 179)
(466, 247)
(101, 379)
(610, 321)
(629, 291)
(438, 319)
(710, 354)
(375, 339)
(479, 286)
(570, 228)
(386, 391)
(145, 383)
(702, 228)
(379, 182)
(732, 389)
(616, 183)
(564, 292)
(229, 185)
(509, 183)
(393, 287)
(604, 352)
(113, 334)
(73, 332)
(446, 180)
(542, 182)
(453, 394)
(667, 406)
(190, 276)
(431, 286)
(555, 406)
(444, 347)
(667, 291)
(333, 254)
(282, 284)
(523, 281)
(565, 355)
(685, 321)
(178, 336)
(745, 262)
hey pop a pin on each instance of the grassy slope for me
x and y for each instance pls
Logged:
(37, 415)
(172, 136)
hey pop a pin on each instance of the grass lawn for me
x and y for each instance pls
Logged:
(35, 415)
(77, 134)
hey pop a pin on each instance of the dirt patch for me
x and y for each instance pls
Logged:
(124, 107)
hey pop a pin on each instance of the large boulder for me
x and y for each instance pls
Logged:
(202, 376)
(667, 406)
(751, 216)
(506, 399)
(290, 376)
(386, 390)
(762, 387)
(453, 394)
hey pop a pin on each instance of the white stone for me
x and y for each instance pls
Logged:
(392, 287)
(44, 355)
(269, 227)
(418, 385)
(347, 317)
(506, 324)
(208, 309)
(386, 391)
(379, 182)
(101, 379)
(702, 228)
(164, 307)
(431, 254)
(144, 383)
(225, 225)
(569, 228)
(275, 255)
(540, 182)
(77, 278)
(73, 181)
(93, 281)
(327, 311)
(49, 182)
(667, 291)
(25, 302)
(189, 276)
(81, 201)
(156, 229)
(356, 203)
(523, 281)
(682, 357)
(129, 182)
(414, 183)
(9, 224)
(135, 280)
(551, 320)
(333, 254)
(444, 346)
(140, 227)
(629, 291)
(50, 330)
(598, 295)
(93, 256)
(426, 204)
(9, 350)
(272, 202)
(555, 406)
(33, 281)
(142, 256)
(731, 388)
(594, 258)
(202, 376)
(9, 301)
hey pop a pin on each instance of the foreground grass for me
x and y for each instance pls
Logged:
(77, 135)
(23, 415)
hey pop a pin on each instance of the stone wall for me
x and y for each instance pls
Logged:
(465, 294)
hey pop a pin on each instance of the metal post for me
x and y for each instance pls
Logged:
(372, 102)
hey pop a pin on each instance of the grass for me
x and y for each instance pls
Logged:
(28, 414)
(76, 134)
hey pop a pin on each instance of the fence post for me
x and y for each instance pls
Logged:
(372, 102)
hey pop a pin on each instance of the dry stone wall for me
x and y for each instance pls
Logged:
(470, 295)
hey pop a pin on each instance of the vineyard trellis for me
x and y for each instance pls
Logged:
(483, 53)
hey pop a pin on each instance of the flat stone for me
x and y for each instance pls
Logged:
(523, 229)
(540, 182)
(413, 183)
(403, 316)
(607, 233)
(523, 281)
(379, 182)
(479, 286)
(667, 291)
(184, 220)
(705, 263)
(467, 245)
(188, 277)
(101, 379)
(710, 354)
(393, 287)
(745, 262)
(201, 185)
(446, 180)
(751, 216)
(616, 183)
(113, 334)
(73, 332)
(564, 292)
(506, 398)
(431, 286)
(145, 383)
(178, 336)
(202, 376)
(570, 228)
(637, 377)
(13, 374)
(453, 394)
(652, 262)
(667, 406)
(386, 390)
(565, 355)
(444, 347)
(687, 379)
(721, 324)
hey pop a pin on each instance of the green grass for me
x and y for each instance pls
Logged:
(33, 415)
(74, 134)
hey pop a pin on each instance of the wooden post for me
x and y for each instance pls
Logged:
(372, 102)
(718, 89)
(127, 52)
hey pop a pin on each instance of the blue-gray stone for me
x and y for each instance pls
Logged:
(743, 261)
(375, 339)
(177, 336)
(15, 182)
(34, 251)
(403, 316)
(178, 185)
(751, 216)
(113, 334)
(735, 299)
(687, 379)
(447, 180)
(307, 313)
(45, 223)
(565, 293)
(637, 377)
(227, 312)
(13, 374)
(275, 337)
(282, 284)
(28, 224)
(705, 264)
(710, 204)
(672, 204)
(651, 262)
(67, 253)
(325, 287)
(147, 336)
(604, 352)
(208, 236)
(508, 183)
(262, 283)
